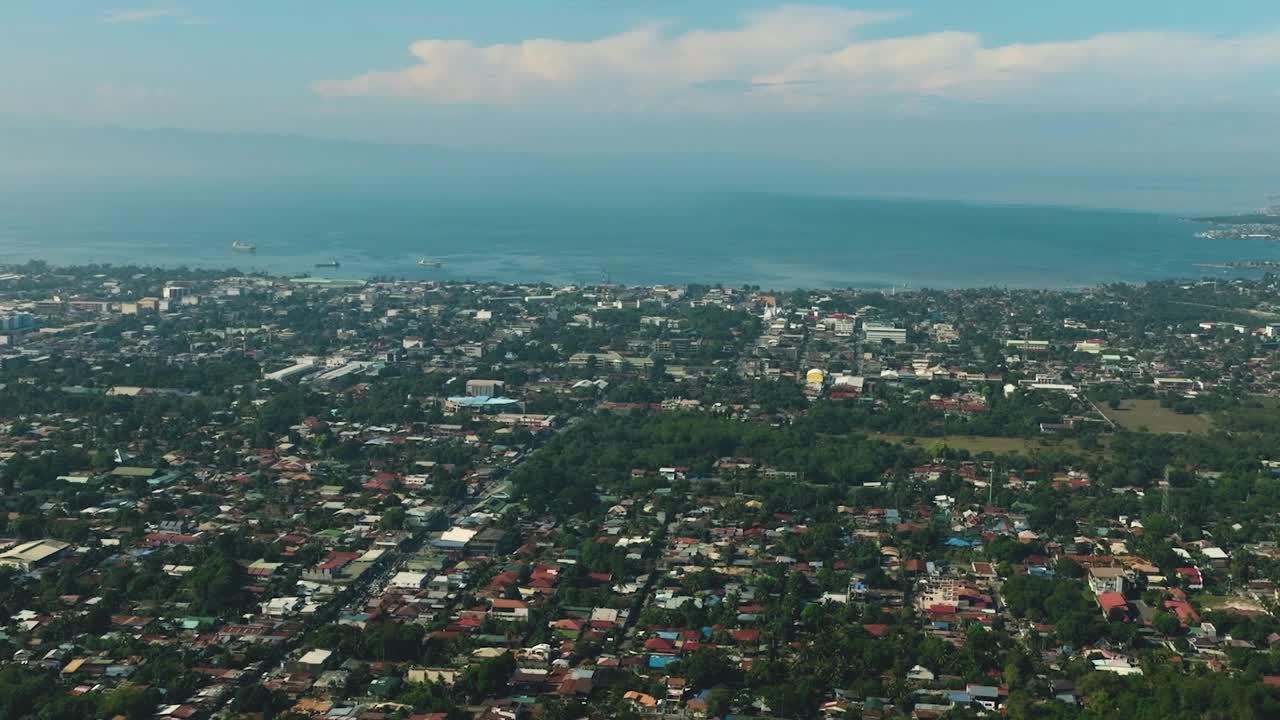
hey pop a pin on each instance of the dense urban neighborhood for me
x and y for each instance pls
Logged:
(230, 495)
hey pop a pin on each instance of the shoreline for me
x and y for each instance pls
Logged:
(315, 279)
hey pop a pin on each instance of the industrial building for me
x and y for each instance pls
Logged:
(295, 370)
(478, 402)
(33, 554)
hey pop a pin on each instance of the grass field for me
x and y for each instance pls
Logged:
(1222, 603)
(977, 444)
(1135, 414)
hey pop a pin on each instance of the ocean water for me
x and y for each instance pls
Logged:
(640, 236)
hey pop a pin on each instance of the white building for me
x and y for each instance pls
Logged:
(485, 388)
(1106, 579)
(282, 606)
(314, 660)
(876, 334)
(300, 368)
(409, 580)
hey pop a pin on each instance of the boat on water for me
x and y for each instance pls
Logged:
(429, 263)
(330, 264)
(243, 246)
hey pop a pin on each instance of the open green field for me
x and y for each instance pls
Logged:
(1135, 414)
(978, 444)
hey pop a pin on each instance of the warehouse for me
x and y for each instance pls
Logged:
(34, 554)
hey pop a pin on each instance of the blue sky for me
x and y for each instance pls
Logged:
(1174, 83)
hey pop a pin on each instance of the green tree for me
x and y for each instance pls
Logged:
(215, 584)
(719, 702)
(706, 668)
(1166, 623)
(131, 701)
(393, 518)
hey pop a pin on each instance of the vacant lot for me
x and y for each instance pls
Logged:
(977, 443)
(1135, 414)
(1221, 603)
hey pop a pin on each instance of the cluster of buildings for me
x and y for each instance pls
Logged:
(281, 481)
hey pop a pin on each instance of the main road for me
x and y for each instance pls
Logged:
(355, 595)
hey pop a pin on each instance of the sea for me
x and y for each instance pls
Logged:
(774, 240)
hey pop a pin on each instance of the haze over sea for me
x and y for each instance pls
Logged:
(637, 236)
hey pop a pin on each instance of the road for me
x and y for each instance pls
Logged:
(357, 594)
(1249, 311)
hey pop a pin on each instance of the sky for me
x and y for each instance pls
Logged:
(1175, 88)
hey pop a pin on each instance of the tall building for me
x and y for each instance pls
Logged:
(1028, 345)
(17, 322)
(876, 334)
(484, 388)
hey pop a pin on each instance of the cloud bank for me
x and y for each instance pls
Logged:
(802, 57)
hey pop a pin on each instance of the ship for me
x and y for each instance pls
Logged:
(429, 263)
(330, 264)
(243, 246)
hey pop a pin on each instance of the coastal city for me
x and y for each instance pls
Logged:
(241, 496)
(1263, 224)
(566, 360)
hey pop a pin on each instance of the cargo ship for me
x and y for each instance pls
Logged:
(330, 264)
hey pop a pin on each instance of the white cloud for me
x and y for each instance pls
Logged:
(638, 66)
(122, 97)
(141, 15)
(1108, 68)
(808, 57)
(181, 16)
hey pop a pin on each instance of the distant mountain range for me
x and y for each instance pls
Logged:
(104, 152)
(57, 155)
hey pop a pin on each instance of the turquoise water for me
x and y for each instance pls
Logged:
(639, 236)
